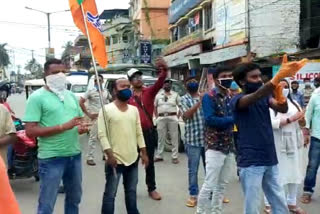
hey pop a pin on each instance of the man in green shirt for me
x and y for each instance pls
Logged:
(54, 117)
(313, 127)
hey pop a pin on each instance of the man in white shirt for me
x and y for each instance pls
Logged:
(166, 105)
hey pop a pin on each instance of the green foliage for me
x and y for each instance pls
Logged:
(35, 68)
(4, 56)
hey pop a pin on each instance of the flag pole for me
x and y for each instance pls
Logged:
(95, 69)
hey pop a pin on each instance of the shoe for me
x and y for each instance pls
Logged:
(175, 161)
(158, 159)
(155, 195)
(191, 202)
(91, 162)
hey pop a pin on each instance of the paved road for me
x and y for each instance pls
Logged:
(171, 179)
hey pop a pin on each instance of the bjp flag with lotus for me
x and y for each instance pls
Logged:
(87, 10)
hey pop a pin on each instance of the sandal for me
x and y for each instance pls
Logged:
(297, 210)
(267, 210)
(191, 202)
(305, 198)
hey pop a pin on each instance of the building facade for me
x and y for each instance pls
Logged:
(210, 32)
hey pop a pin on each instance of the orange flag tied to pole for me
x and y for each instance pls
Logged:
(8, 203)
(94, 27)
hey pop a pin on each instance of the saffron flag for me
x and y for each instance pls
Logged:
(94, 27)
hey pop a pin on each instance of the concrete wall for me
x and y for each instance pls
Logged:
(274, 26)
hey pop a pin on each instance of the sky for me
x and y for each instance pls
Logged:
(25, 30)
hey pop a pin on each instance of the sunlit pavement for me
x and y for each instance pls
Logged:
(172, 183)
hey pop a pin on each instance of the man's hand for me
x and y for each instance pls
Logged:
(306, 135)
(111, 160)
(161, 65)
(297, 116)
(83, 128)
(288, 69)
(72, 123)
(93, 116)
(145, 160)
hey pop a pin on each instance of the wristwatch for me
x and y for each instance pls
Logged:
(288, 120)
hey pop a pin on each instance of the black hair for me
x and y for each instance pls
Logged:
(317, 79)
(51, 62)
(190, 78)
(100, 76)
(241, 71)
(294, 82)
(218, 70)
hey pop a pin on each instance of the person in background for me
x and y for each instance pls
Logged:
(53, 115)
(143, 99)
(313, 129)
(296, 94)
(307, 91)
(192, 115)
(8, 202)
(218, 141)
(166, 106)
(256, 154)
(289, 142)
(120, 135)
(94, 105)
(316, 82)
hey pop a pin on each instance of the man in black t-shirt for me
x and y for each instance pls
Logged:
(256, 154)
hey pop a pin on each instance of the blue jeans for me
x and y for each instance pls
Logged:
(51, 172)
(10, 156)
(252, 179)
(194, 154)
(313, 165)
(130, 182)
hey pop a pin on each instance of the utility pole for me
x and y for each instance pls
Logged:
(48, 19)
(32, 54)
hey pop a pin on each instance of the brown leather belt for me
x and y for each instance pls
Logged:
(167, 114)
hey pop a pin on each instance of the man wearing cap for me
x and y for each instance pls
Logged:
(143, 99)
(296, 94)
(166, 106)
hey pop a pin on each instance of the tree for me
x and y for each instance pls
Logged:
(67, 49)
(4, 56)
(35, 68)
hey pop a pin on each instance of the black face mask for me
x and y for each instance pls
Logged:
(252, 87)
(316, 84)
(167, 89)
(226, 83)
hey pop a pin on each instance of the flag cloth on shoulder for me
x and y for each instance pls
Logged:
(94, 27)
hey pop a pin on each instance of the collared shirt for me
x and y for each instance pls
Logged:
(298, 96)
(194, 126)
(93, 97)
(46, 109)
(255, 142)
(218, 121)
(121, 132)
(313, 115)
(6, 127)
(147, 97)
(167, 103)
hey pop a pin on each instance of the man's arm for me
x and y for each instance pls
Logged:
(153, 90)
(283, 108)
(209, 117)
(187, 111)
(309, 113)
(8, 139)
(34, 130)
(248, 99)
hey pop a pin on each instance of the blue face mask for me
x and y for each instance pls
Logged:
(124, 95)
(193, 87)
(252, 87)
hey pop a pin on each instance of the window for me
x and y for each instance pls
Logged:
(195, 22)
(115, 39)
(125, 37)
(208, 23)
(183, 30)
(174, 34)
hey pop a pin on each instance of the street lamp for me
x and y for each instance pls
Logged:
(48, 18)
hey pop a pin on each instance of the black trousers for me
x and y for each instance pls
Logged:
(151, 139)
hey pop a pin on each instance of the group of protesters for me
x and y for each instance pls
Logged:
(261, 126)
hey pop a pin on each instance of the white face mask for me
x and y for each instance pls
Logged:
(285, 92)
(57, 84)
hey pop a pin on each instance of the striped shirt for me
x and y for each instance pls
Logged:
(194, 134)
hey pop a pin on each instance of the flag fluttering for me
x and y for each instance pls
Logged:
(94, 27)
